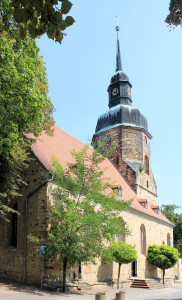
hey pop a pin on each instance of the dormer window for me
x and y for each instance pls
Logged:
(156, 209)
(146, 204)
(118, 190)
(143, 203)
(73, 167)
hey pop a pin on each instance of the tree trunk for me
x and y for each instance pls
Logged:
(163, 275)
(118, 275)
(64, 274)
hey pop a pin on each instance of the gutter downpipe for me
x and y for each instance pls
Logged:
(26, 225)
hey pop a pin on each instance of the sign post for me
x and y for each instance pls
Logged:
(42, 252)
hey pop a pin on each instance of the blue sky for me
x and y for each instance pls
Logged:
(79, 72)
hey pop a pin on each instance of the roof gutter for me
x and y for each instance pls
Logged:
(149, 216)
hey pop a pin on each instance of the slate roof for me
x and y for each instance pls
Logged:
(60, 146)
(121, 115)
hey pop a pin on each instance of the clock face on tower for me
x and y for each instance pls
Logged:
(115, 91)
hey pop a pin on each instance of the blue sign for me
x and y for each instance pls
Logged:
(42, 250)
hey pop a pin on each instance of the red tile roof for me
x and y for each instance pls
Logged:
(60, 146)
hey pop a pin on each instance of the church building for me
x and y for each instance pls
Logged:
(124, 127)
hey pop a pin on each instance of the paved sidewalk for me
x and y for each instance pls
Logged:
(15, 291)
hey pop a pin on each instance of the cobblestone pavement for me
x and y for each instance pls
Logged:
(14, 291)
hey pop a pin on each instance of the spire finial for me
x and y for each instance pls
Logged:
(118, 55)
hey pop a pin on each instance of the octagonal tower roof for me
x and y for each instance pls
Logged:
(121, 111)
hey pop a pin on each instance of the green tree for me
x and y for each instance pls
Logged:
(121, 253)
(175, 13)
(24, 108)
(86, 214)
(163, 257)
(36, 17)
(175, 218)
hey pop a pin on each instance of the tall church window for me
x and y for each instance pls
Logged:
(143, 239)
(122, 237)
(13, 240)
(168, 239)
(146, 163)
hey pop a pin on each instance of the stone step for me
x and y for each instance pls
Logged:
(139, 286)
(139, 283)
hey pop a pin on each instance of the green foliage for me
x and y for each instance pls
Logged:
(101, 293)
(24, 108)
(10, 178)
(33, 239)
(86, 214)
(175, 13)
(36, 17)
(141, 168)
(175, 218)
(121, 292)
(106, 146)
(121, 253)
(163, 257)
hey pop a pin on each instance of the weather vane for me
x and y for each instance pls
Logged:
(117, 27)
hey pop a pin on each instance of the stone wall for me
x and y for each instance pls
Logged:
(156, 233)
(112, 141)
(12, 258)
(146, 186)
(131, 147)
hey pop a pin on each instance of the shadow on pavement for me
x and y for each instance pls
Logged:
(12, 285)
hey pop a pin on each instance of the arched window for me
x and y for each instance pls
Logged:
(143, 239)
(13, 240)
(146, 163)
(147, 184)
(168, 239)
(122, 237)
(145, 140)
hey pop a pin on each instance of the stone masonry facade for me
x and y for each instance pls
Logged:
(12, 259)
(156, 233)
(130, 147)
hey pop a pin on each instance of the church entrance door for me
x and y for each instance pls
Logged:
(134, 268)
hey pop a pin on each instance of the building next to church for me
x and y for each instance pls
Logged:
(129, 167)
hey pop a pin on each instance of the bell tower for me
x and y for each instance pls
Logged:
(125, 127)
(120, 88)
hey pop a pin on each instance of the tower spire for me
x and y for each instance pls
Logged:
(118, 55)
